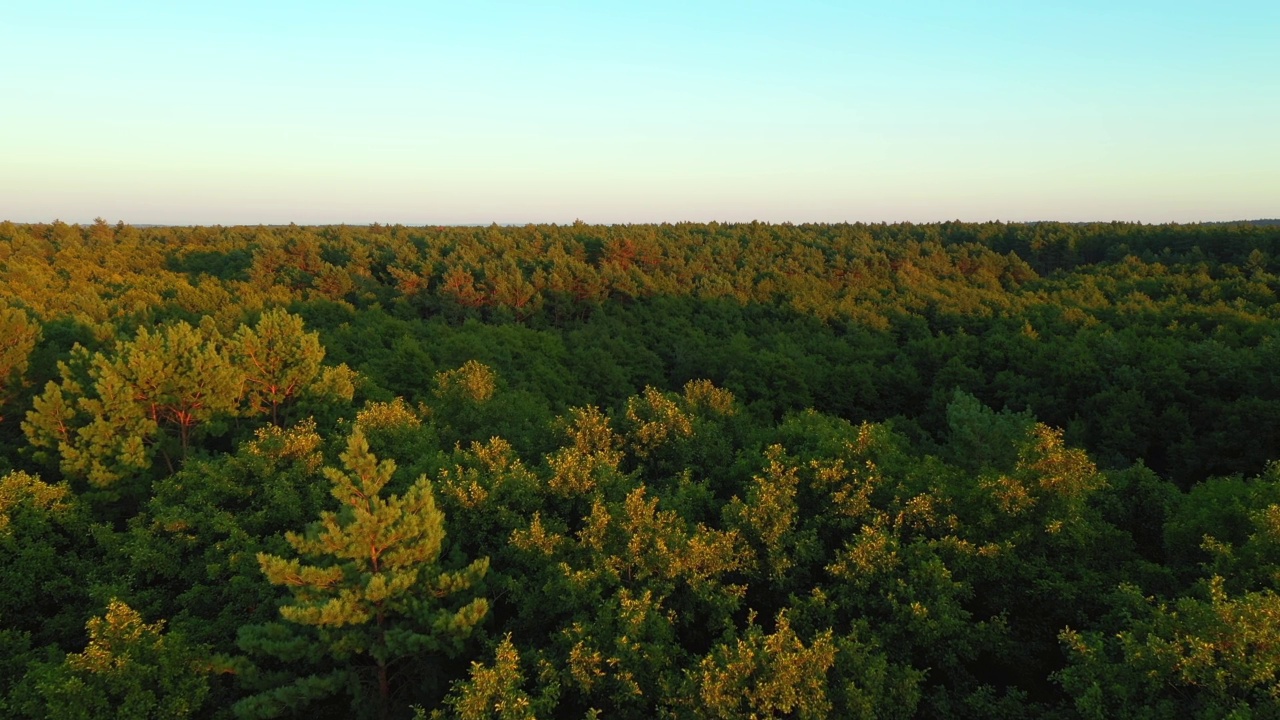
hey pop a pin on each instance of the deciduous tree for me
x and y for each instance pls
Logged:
(130, 670)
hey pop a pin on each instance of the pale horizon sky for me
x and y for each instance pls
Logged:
(512, 112)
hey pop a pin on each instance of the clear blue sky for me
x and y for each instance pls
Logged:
(476, 112)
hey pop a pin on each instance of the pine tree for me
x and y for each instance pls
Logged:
(371, 584)
(113, 411)
(280, 361)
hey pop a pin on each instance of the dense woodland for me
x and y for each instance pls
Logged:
(688, 471)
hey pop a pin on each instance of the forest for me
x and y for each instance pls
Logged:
(952, 470)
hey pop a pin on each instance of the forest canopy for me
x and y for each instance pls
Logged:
(696, 470)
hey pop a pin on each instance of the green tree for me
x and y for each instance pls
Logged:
(18, 489)
(190, 554)
(1217, 657)
(47, 564)
(130, 670)
(623, 596)
(281, 361)
(372, 585)
(113, 411)
(980, 438)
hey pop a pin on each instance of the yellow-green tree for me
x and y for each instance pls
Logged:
(473, 381)
(766, 676)
(1214, 657)
(113, 411)
(281, 361)
(492, 692)
(18, 489)
(369, 579)
(130, 670)
(18, 337)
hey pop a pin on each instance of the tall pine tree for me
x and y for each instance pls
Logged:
(370, 584)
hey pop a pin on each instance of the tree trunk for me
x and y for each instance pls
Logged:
(384, 692)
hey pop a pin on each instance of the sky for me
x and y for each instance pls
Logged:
(428, 112)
